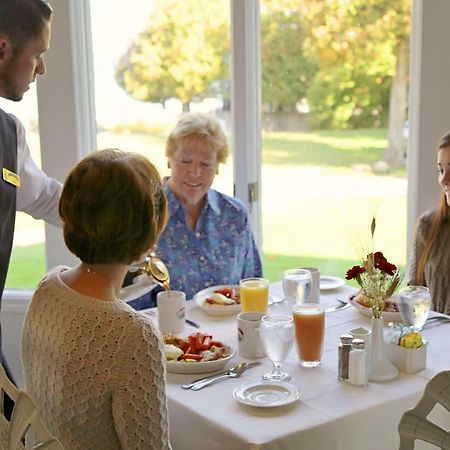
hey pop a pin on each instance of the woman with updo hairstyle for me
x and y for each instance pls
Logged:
(429, 263)
(208, 240)
(93, 365)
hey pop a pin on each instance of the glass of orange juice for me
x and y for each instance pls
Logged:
(309, 323)
(254, 293)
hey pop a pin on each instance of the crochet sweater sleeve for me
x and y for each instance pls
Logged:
(138, 395)
(95, 369)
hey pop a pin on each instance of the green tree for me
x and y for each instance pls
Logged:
(363, 52)
(184, 53)
(180, 54)
(287, 65)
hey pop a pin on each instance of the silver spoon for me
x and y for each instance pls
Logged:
(234, 372)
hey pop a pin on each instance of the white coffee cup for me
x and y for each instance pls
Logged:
(314, 293)
(171, 311)
(249, 341)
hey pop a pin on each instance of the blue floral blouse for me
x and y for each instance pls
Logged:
(221, 250)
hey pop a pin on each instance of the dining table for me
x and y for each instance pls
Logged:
(330, 414)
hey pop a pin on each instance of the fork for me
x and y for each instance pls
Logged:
(234, 372)
(274, 299)
(438, 319)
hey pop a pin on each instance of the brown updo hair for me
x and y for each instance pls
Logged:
(113, 207)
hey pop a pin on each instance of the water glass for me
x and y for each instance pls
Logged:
(277, 335)
(414, 303)
(296, 285)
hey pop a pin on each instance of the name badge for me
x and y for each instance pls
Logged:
(11, 177)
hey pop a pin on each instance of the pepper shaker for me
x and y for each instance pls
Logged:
(343, 356)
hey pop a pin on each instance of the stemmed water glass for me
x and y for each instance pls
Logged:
(296, 285)
(277, 335)
(414, 303)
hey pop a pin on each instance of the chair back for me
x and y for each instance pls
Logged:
(25, 422)
(414, 423)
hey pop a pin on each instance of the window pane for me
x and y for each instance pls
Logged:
(327, 77)
(129, 66)
(27, 265)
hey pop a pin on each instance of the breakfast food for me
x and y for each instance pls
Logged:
(197, 347)
(389, 305)
(172, 352)
(224, 297)
(411, 340)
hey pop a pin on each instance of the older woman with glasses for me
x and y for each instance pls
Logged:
(208, 240)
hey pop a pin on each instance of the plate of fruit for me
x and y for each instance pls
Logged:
(390, 311)
(220, 300)
(196, 353)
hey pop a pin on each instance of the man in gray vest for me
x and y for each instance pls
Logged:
(25, 30)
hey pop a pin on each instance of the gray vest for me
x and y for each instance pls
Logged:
(8, 160)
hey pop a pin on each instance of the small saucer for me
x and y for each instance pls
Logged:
(327, 283)
(266, 394)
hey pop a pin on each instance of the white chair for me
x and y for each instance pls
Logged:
(25, 421)
(414, 423)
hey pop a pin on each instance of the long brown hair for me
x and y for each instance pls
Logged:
(439, 217)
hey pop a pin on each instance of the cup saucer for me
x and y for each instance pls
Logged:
(266, 394)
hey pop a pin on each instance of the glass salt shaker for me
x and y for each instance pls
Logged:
(343, 356)
(357, 369)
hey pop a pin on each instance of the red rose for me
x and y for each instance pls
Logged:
(354, 272)
(378, 258)
(387, 267)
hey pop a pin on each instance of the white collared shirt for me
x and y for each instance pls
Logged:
(38, 194)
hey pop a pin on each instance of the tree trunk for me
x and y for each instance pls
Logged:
(394, 153)
(186, 107)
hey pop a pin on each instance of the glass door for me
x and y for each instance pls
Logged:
(334, 107)
(159, 60)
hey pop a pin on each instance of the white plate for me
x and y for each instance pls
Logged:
(365, 311)
(328, 282)
(216, 310)
(199, 367)
(266, 394)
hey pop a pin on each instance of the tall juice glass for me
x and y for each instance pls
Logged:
(309, 322)
(254, 293)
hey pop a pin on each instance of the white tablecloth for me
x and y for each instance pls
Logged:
(329, 415)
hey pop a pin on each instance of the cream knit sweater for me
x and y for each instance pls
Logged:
(95, 370)
(437, 267)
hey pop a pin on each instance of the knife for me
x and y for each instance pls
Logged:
(192, 323)
(341, 305)
(234, 372)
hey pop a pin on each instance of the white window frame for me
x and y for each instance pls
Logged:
(66, 102)
(429, 101)
(67, 110)
(246, 108)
